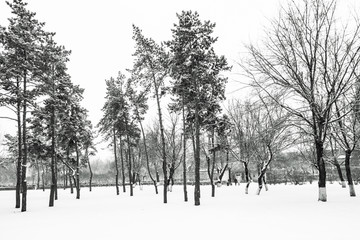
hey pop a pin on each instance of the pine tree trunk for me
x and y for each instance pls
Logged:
(163, 148)
(19, 159)
(24, 134)
(184, 154)
(116, 164)
(130, 166)
(52, 188)
(197, 157)
(122, 164)
(77, 171)
(348, 173)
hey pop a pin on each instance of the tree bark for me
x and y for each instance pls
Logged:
(247, 177)
(322, 171)
(19, 159)
(162, 135)
(348, 173)
(24, 141)
(116, 164)
(338, 168)
(122, 164)
(52, 188)
(184, 154)
(197, 157)
(91, 175)
(77, 170)
(129, 165)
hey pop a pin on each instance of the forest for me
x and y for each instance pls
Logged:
(299, 124)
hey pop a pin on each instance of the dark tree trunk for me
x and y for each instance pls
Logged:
(184, 154)
(91, 175)
(53, 178)
(348, 173)
(116, 164)
(322, 171)
(162, 135)
(211, 164)
(338, 168)
(24, 141)
(122, 164)
(197, 157)
(77, 171)
(129, 165)
(71, 184)
(19, 159)
(247, 177)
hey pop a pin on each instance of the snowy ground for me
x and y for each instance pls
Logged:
(284, 212)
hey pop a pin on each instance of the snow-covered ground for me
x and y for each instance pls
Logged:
(284, 212)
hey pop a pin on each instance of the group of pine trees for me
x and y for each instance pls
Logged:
(52, 125)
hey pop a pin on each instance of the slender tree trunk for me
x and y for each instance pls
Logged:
(56, 178)
(348, 173)
(146, 151)
(43, 176)
(122, 164)
(19, 159)
(338, 168)
(65, 177)
(116, 164)
(91, 175)
(37, 173)
(130, 166)
(162, 135)
(24, 162)
(184, 154)
(77, 171)
(197, 157)
(53, 178)
(247, 177)
(71, 184)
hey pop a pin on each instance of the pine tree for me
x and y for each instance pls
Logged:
(196, 72)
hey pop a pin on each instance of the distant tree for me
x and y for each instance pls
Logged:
(196, 69)
(112, 124)
(273, 135)
(243, 135)
(311, 61)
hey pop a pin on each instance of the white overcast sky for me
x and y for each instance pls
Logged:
(99, 34)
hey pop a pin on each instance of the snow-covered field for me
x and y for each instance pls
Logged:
(284, 212)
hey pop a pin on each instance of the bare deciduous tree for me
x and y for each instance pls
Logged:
(311, 60)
